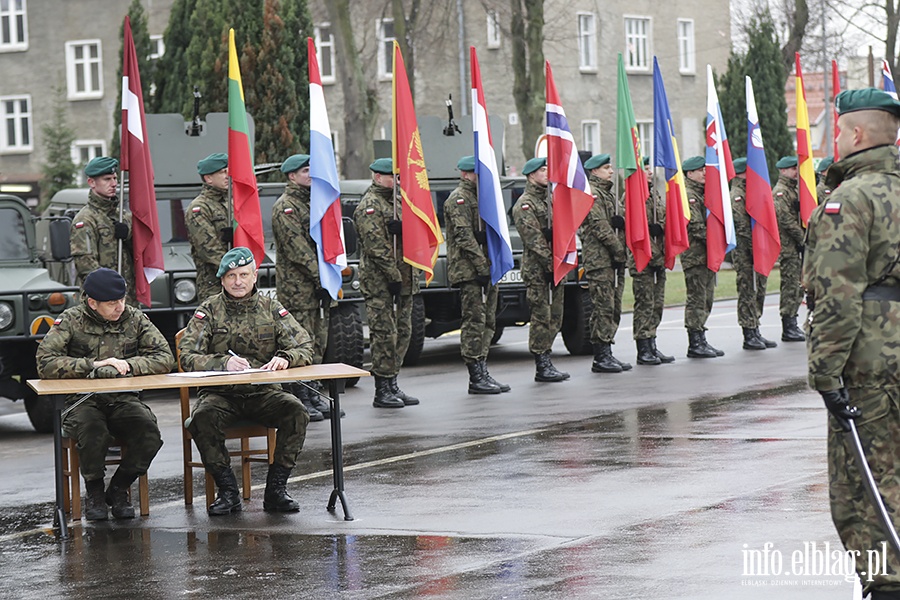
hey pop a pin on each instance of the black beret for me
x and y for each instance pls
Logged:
(104, 285)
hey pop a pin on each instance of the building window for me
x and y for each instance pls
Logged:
(157, 47)
(493, 30)
(385, 32)
(15, 133)
(13, 26)
(590, 136)
(84, 70)
(325, 52)
(686, 45)
(645, 135)
(637, 43)
(83, 151)
(587, 42)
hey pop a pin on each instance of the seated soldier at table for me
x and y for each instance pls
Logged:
(234, 330)
(104, 338)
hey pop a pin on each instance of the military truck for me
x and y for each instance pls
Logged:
(30, 301)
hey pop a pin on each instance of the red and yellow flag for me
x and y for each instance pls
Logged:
(421, 232)
(807, 173)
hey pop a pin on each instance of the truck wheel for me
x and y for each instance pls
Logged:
(345, 337)
(498, 333)
(576, 326)
(417, 337)
(40, 412)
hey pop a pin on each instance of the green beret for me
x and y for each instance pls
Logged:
(104, 285)
(740, 165)
(385, 166)
(234, 258)
(786, 162)
(212, 163)
(597, 160)
(866, 99)
(646, 161)
(294, 163)
(102, 165)
(824, 164)
(693, 163)
(467, 164)
(533, 165)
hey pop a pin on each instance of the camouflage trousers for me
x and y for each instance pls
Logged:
(791, 292)
(750, 301)
(546, 317)
(207, 282)
(479, 317)
(606, 287)
(219, 408)
(389, 332)
(315, 322)
(852, 512)
(649, 289)
(97, 421)
(700, 285)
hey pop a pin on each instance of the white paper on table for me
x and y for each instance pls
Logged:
(197, 374)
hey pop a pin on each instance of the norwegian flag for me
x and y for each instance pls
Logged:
(887, 82)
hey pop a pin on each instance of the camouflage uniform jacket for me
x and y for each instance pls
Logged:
(657, 243)
(852, 243)
(788, 213)
(530, 214)
(93, 240)
(695, 255)
(600, 243)
(823, 190)
(743, 230)
(377, 264)
(80, 336)
(297, 262)
(206, 217)
(466, 257)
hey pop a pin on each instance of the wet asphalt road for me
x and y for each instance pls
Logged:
(663, 482)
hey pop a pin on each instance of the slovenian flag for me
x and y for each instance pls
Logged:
(720, 236)
(759, 203)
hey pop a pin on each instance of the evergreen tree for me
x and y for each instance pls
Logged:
(58, 168)
(173, 89)
(141, 35)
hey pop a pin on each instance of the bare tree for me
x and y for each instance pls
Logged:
(797, 19)
(879, 19)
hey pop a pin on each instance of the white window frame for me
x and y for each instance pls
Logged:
(493, 30)
(385, 50)
(590, 140)
(99, 149)
(638, 44)
(645, 135)
(10, 19)
(157, 47)
(324, 45)
(93, 89)
(23, 124)
(587, 42)
(687, 52)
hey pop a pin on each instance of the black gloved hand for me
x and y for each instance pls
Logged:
(548, 234)
(796, 205)
(104, 372)
(323, 294)
(120, 230)
(394, 288)
(617, 222)
(618, 264)
(226, 234)
(656, 230)
(800, 248)
(480, 236)
(483, 280)
(838, 404)
(395, 227)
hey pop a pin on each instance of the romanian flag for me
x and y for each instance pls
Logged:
(720, 236)
(248, 231)
(421, 232)
(835, 90)
(806, 169)
(759, 203)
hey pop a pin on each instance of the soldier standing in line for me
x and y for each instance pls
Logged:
(699, 279)
(469, 269)
(387, 283)
(822, 189)
(787, 209)
(852, 275)
(103, 338)
(234, 330)
(96, 230)
(751, 286)
(209, 224)
(545, 299)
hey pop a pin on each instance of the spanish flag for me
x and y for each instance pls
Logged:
(807, 172)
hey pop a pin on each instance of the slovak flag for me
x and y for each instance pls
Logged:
(325, 223)
(490, 196)
(720, 236)
(759, 203)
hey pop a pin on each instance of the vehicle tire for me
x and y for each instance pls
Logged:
(345, 337)
(40, 412)
(498, 333)
(417, 337)
(576, 326)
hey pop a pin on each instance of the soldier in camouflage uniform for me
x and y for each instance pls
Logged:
(532, 219)
(209, 225)
(787, 209)
(822, 188)
(297, 272)
(97, 230)
(852, 277)
(469, 269)
(387, 283)
(699, 279)
(604, 265)
(237, 329)
(104, 338)
(751, 286)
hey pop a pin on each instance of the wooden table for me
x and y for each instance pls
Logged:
(333, 373)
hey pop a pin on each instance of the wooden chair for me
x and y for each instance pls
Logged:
(243, 431)
(72, 479)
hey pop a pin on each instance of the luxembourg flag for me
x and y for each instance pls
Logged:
(720, 236)
(490, 196)
(325, 223)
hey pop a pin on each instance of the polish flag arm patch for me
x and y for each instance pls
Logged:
(832, 208)
(79, 224)
(195, 210)
(199, 315)
(289, 211)
(283, 312)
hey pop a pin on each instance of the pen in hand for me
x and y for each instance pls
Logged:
(238, 364)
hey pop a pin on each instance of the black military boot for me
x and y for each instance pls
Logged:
(321, 403)
(384, 395)
(117, 494)
(768, 343)
(303, 394)
(404, 397)
(503, 387)
(228, 499)
(710, 346)
(663, 358)
(697, 346)
(645, 353)
(545, 371)
(789, 330)
(95, 501)
(276, 498)
(751, 341)
(603, 360)
(478, 383)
